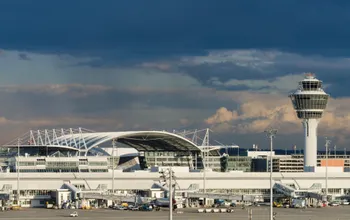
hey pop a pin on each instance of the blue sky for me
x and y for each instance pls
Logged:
(120, 65)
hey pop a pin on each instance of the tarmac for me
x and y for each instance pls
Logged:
(259, 213)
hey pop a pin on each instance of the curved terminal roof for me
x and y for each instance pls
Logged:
(140, 140)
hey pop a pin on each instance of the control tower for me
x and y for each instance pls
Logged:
(309, 102)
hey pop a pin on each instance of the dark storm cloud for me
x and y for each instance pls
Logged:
(249, 66)
(23, 56)
(114, 57)
(336, 77)
(175, 26)
(76, 100)
(225, 71)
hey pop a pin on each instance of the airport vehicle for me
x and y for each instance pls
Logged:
(345, 202)
(335, 203)
(74, 214)
(146, 207)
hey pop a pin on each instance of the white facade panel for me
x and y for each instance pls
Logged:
(37, 203)
(330, 169)
(257, 154)
(145, 180)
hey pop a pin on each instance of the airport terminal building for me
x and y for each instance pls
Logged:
(75, 165)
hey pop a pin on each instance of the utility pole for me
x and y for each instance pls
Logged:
(271, 134)
(328, 142)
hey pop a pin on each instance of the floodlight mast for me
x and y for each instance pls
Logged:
(17, 170)
(271, 134)
(113, 165)
(166, 175)
(328, 142)
(170, 194)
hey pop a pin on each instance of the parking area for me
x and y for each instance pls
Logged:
(329, 213)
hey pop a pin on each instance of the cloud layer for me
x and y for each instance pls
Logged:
(238, 93)
(120, 65)
(258, 112)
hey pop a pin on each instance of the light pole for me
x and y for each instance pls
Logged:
(237, 164)
(17, 170)
(168, 175)
(204, 170)
(113, 165)
(205, 156)
(271, 134)
(170, 194)
(328, 142)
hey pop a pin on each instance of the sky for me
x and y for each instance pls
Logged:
(163, 65)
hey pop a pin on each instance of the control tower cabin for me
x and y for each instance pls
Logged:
(309, 102)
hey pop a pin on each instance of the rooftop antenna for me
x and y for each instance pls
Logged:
(309, 75)
(295, 149)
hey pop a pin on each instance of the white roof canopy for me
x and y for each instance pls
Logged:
(85, 140)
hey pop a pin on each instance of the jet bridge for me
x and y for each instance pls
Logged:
(313, 192)
(285, 189)
(75, 191)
